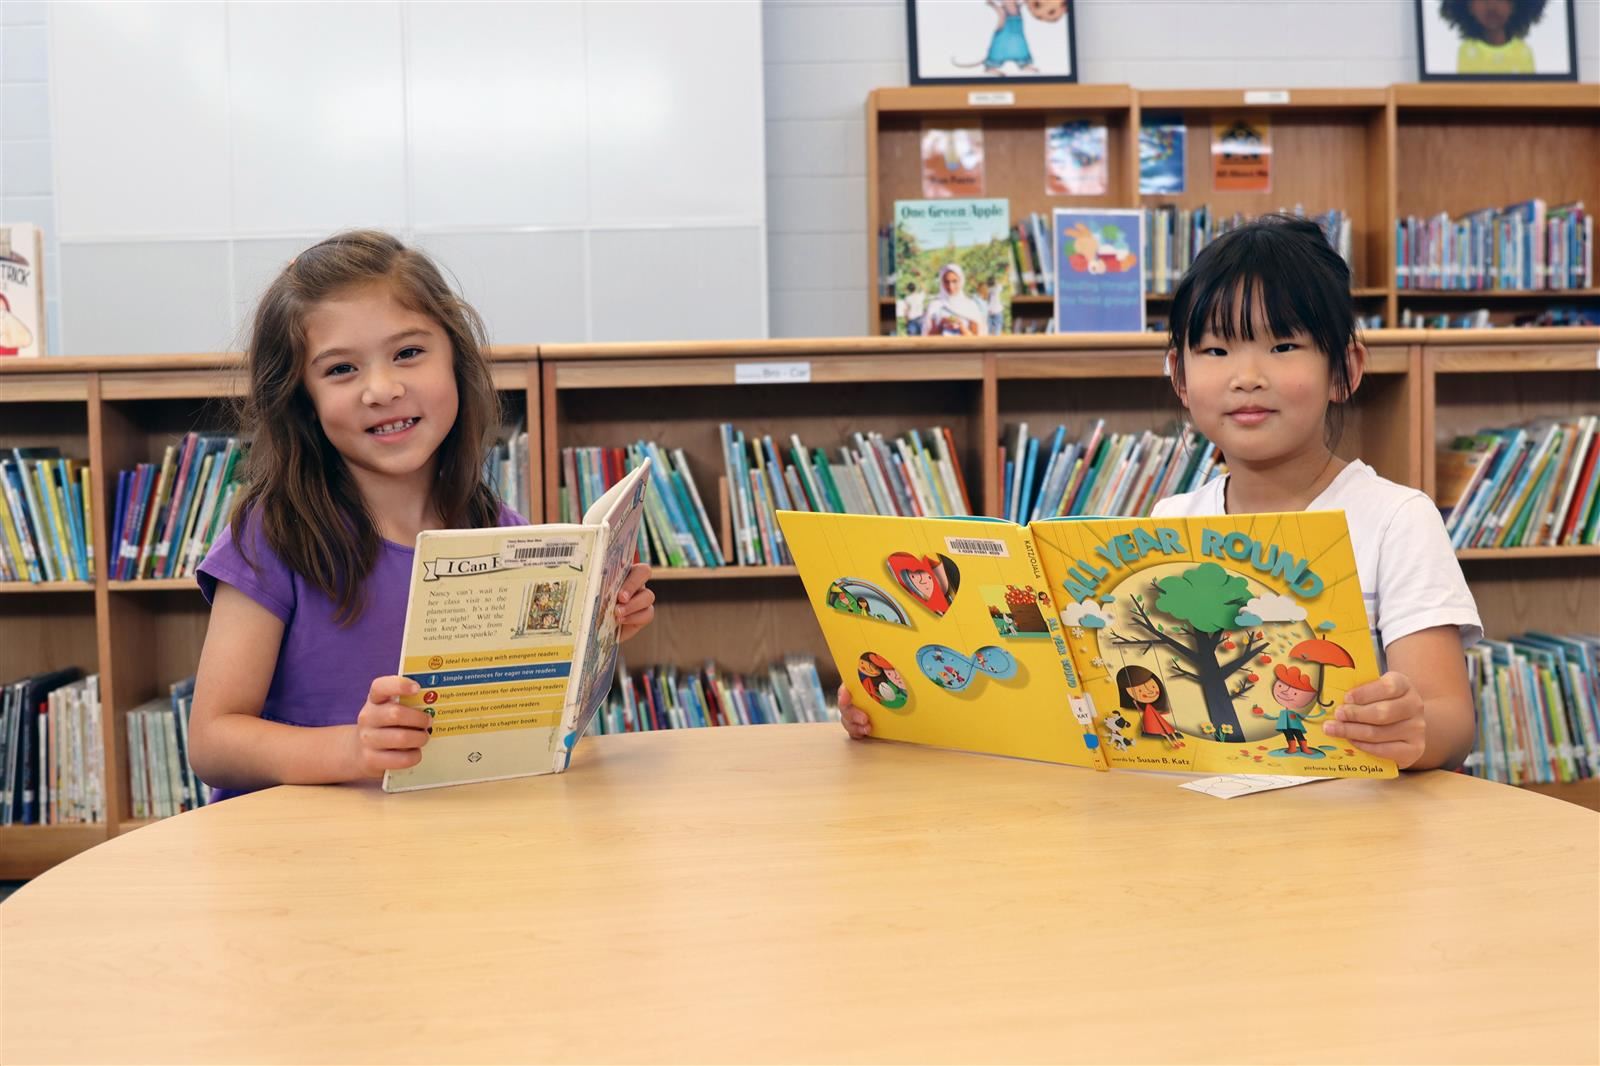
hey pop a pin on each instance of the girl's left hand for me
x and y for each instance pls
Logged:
(636, 604)
(1384, 718)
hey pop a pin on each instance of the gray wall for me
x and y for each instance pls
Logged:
(823, 57)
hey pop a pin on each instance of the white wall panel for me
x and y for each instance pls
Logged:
(497, 114)
(133, 297)
(678, 284)
(675, 93)
(317, 113)
(140, 120)
(529, 287)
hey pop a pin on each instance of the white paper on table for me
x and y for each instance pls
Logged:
(1231, 786)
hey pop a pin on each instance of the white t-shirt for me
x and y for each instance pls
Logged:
(1410, 579)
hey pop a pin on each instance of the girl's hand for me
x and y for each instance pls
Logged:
(1384, 718)
(636, 605)
(855, 720)
(389, 735)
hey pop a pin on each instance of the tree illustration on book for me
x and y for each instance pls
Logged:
(1204, 602)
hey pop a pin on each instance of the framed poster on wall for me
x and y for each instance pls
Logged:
(968, 42)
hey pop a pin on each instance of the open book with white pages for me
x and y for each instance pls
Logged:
(512, 636)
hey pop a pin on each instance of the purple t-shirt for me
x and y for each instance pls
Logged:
(324, 669)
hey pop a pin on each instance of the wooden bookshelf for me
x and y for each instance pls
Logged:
(1379, 154)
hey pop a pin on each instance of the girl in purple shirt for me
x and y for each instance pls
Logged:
(370, 408)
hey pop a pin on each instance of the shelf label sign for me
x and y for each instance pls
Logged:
(991, 98)
(771, 373)
(1266, 96)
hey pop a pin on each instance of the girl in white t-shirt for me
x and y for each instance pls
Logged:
(1264, 356)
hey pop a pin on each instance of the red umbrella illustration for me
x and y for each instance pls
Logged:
(1324, 653)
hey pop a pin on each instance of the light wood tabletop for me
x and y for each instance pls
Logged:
(781, 893)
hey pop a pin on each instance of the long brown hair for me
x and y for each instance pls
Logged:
(312, 515)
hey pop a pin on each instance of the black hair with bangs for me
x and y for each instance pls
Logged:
(1281, 267)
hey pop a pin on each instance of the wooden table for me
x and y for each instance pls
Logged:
(781, 893)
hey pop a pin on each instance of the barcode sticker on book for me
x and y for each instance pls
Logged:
(540, 553)
(995, 549)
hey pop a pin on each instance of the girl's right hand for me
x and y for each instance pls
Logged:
(390, 735)
(855, 720)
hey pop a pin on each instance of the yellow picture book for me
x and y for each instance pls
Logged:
(1213, 645)
(511, 635)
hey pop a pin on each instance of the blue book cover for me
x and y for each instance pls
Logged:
(1161, 155)
(1100, 280)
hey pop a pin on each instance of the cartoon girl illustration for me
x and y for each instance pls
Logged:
(951, 312)
(1493, 34)
(932, 581)
(1294, 692)
(1141, 691)
(881, 681)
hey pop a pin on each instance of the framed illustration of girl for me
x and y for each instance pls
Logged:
(1496, 40)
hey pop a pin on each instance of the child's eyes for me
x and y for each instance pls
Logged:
(1214, 351)
(408, 353)
(1284, 346)
(339, 370)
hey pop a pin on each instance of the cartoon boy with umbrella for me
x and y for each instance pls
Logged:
(1294, 691)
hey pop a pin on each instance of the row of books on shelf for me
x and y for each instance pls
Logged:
(677, 529)
(161, 782)
(505, 469)
(1538, 705)
(1478, 318)
(1174, 236)
(1101, 473)
(46, 517)
(664, 697)
(1521, 246)
(914, 474)
(52, 758)
(1533, 485)
(168, 513)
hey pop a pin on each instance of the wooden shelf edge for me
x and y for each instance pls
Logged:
(155, 584)
(1436, 96)
(26, 851)
(1566, 551)
(45, 586)
(719, 573)
(1583, 793)
(1497, 294)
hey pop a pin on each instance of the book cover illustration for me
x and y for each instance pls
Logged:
(510, 635)
(1211, 645)
(944, 631)
(952, 162)
(1162, 142)
(1075, 158)
(1218, 645)
(21, 291)
(1241, 154)
(952, 267)
(1099, 277)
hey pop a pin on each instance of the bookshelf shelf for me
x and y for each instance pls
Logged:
(25, 850)
(720, 573)
(1583, 793)
(156, 584)
(26, 587)
(1561, 551)
(1496, 294)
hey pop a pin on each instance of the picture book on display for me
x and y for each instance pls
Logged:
(21, 290)
(511, 635)
(952, 261)
(1205, 644)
